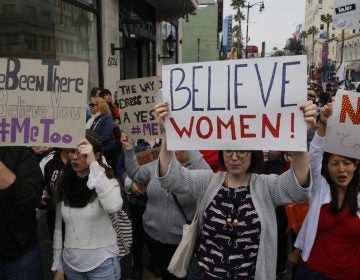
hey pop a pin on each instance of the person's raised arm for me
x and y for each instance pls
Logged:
(161, 111)
(300, 160)
(325, 113)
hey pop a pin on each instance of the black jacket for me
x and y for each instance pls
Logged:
(19, 201)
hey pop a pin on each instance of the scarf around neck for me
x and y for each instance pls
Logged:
(90, 121)
(76, 192)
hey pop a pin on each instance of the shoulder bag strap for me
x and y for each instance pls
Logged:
(214, 177)
(180, 208)
(212, 181)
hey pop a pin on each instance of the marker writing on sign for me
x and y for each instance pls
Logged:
(237, 127)
(348, 110)
(14, 130)
(52, 82)
(234, 93)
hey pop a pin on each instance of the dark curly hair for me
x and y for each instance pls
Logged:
(352, 189)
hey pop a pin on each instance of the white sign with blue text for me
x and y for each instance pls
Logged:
(250, 104)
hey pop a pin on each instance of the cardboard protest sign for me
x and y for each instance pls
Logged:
(346, 14)
(342, 131)
(147, 156)
(251, 104)
(136, 102)
(42, 102)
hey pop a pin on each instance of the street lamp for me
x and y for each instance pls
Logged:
(170, 45)
(131, 24)
(248, 6)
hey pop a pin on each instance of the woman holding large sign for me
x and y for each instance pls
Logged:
(165, 213)
(330, 236)
(237, 220)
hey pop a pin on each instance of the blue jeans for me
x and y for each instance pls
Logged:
(25, 267)
(108, 270)
(303, 273)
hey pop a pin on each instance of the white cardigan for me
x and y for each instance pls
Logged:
(88, 227)
(320, 195)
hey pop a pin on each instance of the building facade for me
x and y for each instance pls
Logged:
(342, 47)
(200, 35)
(120, 39)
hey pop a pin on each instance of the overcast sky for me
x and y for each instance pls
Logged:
(274, 25)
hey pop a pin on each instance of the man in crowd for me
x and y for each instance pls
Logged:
(21, 185)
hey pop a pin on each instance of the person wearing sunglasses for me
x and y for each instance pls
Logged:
(237, 224)
(86, 193)
(102, 123)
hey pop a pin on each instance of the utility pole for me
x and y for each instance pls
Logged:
(342, 46)
(248, 6)
(198, 45)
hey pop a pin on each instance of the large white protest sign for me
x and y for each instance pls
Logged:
(346, 14)
(236, 104)
(42, 102)
(136, 102)
(342, 132)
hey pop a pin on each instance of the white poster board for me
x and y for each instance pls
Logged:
(136, 103)
(251, 104)
(342, 132)
(42, 102)
(346, 14)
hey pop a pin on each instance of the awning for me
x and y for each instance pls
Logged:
(171, 10)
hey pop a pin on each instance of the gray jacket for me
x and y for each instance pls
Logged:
(162, 219)
(267, 192)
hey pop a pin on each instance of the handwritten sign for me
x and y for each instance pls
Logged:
(236, 104)
(42, 102)
(342, 132)
(147, 156)
(136, 102)
(346, 14)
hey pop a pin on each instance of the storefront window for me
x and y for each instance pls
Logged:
(50, 29)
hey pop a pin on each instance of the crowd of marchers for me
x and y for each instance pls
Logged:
(245, 200)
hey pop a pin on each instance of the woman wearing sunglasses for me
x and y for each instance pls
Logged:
(85, 194)
(238, 237)
(102, 123)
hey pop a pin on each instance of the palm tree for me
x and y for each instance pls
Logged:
(327, 19)
(294, 46)
(313, 31)
(303, 35)
(238, 32)
(237, 4)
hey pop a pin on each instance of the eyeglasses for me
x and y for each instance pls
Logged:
(240, 154)
(76, 152)
(311, 96)
(92, 105)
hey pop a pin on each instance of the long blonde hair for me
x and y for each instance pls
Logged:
(103, 107)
